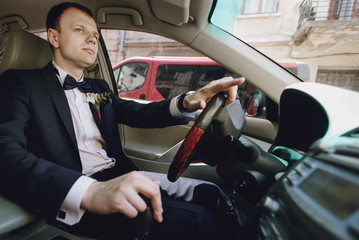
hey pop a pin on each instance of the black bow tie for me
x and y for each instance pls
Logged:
(71, 83)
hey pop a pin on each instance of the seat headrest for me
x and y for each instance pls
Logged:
(25, 50)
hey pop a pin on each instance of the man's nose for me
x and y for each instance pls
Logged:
(92, 39)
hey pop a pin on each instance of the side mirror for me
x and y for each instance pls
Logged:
(254, 103)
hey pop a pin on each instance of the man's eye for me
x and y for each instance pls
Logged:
(79, 30)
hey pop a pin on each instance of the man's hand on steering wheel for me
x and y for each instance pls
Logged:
(197, 100)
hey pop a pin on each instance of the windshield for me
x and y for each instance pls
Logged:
(318, 36)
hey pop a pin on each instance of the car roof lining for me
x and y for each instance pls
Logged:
(151, 15)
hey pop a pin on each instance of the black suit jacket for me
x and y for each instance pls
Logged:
(39, 157)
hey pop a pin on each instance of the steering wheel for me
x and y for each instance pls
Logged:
(180, 161)
(124, 87)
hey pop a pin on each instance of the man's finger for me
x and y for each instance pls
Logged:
(136, 201)
(157, 208)
(224, 84)
(128, 209)
(231, 94)
(151, 190)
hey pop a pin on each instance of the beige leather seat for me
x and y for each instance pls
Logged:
(25, 50)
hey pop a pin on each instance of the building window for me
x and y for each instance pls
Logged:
(356, 9)
(259, 6)
(344, 78)
(343, 10)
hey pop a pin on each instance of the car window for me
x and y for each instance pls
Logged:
(131, 76)
(167, 80)
(209, 73)
(172, 80)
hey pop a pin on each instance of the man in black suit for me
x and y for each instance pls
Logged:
(60, 151)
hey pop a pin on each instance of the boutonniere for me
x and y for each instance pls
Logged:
(96, 99)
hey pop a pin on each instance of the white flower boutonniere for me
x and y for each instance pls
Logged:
(96, 99)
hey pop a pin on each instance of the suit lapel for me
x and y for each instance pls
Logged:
(59, 98)
(101, 123)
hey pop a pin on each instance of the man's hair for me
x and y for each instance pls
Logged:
(53, 16)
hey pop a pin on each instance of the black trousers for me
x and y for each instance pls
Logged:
(192, 209)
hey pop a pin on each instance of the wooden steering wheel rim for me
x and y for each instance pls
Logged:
(181, 160)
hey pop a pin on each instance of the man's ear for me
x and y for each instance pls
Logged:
(52, 35)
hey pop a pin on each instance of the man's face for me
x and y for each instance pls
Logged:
(76, 43)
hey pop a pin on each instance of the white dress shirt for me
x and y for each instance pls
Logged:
(91, 148)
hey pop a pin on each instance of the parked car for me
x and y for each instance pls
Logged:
(157, 78)
(295, 171)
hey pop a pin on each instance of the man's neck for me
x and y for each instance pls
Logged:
(74, 71)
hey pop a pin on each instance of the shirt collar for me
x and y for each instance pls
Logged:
(62, 73)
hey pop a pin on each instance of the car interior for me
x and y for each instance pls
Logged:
(278, 167)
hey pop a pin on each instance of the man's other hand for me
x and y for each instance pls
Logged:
(121, 195)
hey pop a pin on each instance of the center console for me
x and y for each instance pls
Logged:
(318, 198)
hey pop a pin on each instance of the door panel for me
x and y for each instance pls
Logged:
(261, 129)
(153, 149)
(161, 144)
(153, 144)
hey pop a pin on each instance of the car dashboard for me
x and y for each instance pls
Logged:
(308, 111)
(317, 198)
